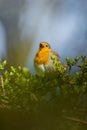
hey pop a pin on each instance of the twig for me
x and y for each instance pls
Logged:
(33, 97)
(75, 119)
(2, 84)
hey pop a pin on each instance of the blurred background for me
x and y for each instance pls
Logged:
(25, 23)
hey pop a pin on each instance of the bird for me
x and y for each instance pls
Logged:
(43, 59)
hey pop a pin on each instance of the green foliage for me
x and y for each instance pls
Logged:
(56, 95)
(21, 89)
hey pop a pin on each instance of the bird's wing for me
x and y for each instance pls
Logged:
(56, 55)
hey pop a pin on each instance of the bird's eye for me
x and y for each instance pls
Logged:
(46, 45)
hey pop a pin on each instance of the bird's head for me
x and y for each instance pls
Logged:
(44, 45)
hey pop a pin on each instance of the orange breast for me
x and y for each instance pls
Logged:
(42, 56)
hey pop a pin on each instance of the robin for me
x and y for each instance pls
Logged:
(43, 59)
